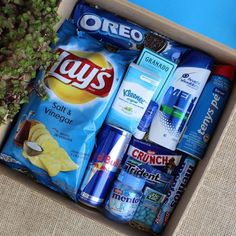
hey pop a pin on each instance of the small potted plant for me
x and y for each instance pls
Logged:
(26, 30)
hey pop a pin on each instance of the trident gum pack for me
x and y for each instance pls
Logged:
(154, 163)
(55, 133)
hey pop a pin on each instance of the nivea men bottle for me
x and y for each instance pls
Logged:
(180, 99)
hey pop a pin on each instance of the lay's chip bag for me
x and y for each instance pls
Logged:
(55, 132)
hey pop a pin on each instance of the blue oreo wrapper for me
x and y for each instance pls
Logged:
(165, 47)
(177, 188)
(108, 27)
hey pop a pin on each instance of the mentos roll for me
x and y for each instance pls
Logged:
(180, 99)
(111, 146)
(108, 27)
(184, 174)
(207, 112)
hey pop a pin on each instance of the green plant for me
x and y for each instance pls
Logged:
(26, 30)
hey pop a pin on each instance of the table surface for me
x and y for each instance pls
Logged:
(213, 18)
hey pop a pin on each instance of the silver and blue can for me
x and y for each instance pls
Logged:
(177, 188)
(207, 112)
(112, 143)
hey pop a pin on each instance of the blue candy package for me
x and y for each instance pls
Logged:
(144, 153)
(146, 212)
(108, 27)
(165, 47)
(55, 133)
(183, 175)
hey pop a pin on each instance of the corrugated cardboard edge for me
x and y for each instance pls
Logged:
(209, 165)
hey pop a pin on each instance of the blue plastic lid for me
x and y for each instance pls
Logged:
(134, 182)
(197, 59)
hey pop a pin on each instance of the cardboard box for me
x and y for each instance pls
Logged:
(202, 197)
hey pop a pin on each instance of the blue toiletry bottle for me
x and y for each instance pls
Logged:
(207, 113)
(180, 99)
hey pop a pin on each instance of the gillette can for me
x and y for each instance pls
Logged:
(112, 143)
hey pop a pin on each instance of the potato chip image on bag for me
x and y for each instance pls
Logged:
(52, 157)
(55, 133)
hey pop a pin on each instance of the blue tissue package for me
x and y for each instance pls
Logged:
(136, 91)
(55, 132)
(108, 27)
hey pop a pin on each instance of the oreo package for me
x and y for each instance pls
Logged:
(108, 27)
(165, 47)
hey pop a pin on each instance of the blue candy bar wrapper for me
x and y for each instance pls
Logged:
(108, 27)
(184, 173)
(55, 133)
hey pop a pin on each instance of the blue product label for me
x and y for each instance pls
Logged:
(205, 117)
(147, 210)
(108, 27)
(55, 133)
(159, 65)
(122, 202)
(182, 178)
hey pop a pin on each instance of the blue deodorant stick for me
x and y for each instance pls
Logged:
(207, 112)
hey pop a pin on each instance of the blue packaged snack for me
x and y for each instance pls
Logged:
(184, 173)
(134, 95)
(108, 27)
(147, 210)
(165, 47)
(55, 132)
(208, 110)
(143, 154)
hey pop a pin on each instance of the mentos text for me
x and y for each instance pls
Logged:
(150, 157)
(83, 74)
(130, 94)
(91, 22)
(122, 198)
(208, 119)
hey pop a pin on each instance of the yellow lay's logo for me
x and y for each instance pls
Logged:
(80, 77)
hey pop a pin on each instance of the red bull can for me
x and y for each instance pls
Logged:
(112, 143)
